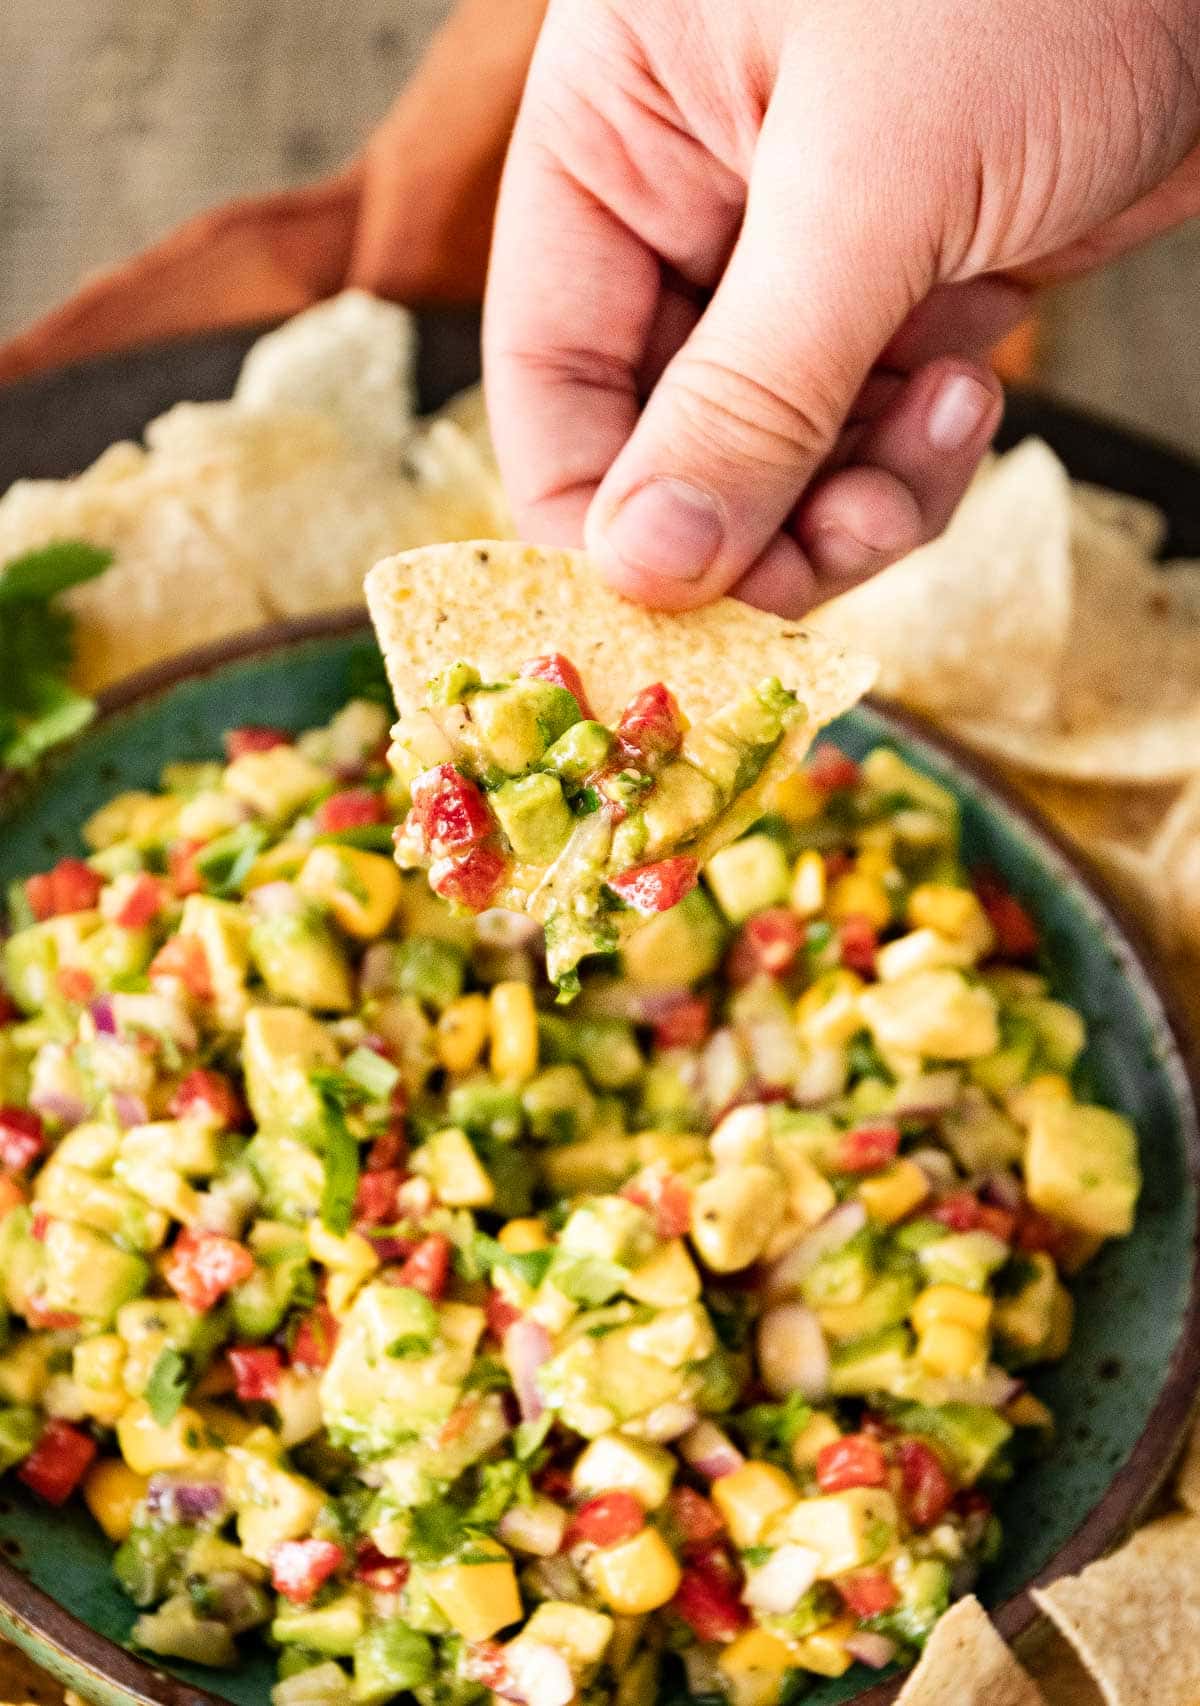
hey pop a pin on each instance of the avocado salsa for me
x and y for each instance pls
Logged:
(460, 1345)
(521, 799)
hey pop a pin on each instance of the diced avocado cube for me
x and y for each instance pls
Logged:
(748, 876)
(924, 1597)
(846, 1530)
(1061, 1032)
(300, 959)
(391, 1659)
(614, 1462)
(30, 962)
(112, 953)
(519, 723)
(261, 1302)
(875, 1364)
(22, 1259)
(1081, 1165)
(487, 1110)
(275, 784)
(558, 1104)
(290, 1175)
(967, 1259)
(224, 929)
(681, 803)
(281, 1048)
(534, 816)
(676, 947)
(580, 752)
(607, 1050)
(1024, 1319)
(1010, 1064)
(841, 1277)
(715, 756)
(458, 1177)
(757, 718)
(334, 1628)
(88, 1275)
(19, 1429)
(105, 1205)
(178, 1631)
(886, 773)
(608, 1227)
(430, 969)
(453, 683)
(150, 1563)
(272, 1503)
(979, 1134)
(884, 1304)
(970, 1434)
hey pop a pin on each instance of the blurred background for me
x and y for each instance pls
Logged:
(121, 117)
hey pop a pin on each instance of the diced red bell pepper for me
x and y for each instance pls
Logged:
(656, 887)
(375, 1197)
(389, 1150)
(858, 941)
(1041, 1232)
(554, 1481)
(962, 1211)
(606, 1520)
(829, 768)
(380, 1573)
(855, 1461)
(684, 1024)
(866, 1148)
(697, 1518)
(11, 1195)
(1015, 931)
(75, 984)
(315, 1339)
(710, 1607)
(203, 1266)
(183, 956)
(484, 1662)
(771, 941)
(448, 811)
(428, 1268)
(868, 1593)
(58, 1462)
(501, 1314)
(51, 1320)
(651, 725)
(471, 878)
(211, 1093)
(22, 1138)
(182, 869)
(256, 1370)
(353, 808)
(668, 1200)
(1000, 1222)
(9, 1011)
(561, 671)
(39, 1224)
(928, 1489)
(71, 886)
(299, 1567)
(254, 737)
(142, 903)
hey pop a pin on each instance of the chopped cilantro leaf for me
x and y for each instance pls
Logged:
(167, 1386)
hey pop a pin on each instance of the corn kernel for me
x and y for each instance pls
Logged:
(522, 1237)
(637, 1576)
(112, 1492)
(278, 864)
(819, 1431)
(855, 896)
(949, 910)
(827, 1012)
(751, 1498)
(808, 884)
(876, 863)
(462, 1031)
(1026, 1411)
(362, 890)
(825, 1651)
(890, 1195)
(754, 1665)
(514, 1054)
(969, 1309)
(797, 800)
(948, 1349)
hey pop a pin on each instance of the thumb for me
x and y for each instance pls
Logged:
(753, 402)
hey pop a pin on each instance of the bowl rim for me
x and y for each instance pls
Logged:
(37, 1620)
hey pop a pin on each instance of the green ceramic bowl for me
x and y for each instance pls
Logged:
(1124, 1394)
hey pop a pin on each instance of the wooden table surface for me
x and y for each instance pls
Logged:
(122, 117)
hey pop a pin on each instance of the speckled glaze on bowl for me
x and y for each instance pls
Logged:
(1125, 1392)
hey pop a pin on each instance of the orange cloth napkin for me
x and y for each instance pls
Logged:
(410, 218)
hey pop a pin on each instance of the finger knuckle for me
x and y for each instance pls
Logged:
(748, 416)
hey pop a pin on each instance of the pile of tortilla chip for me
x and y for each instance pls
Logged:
(273, 504)
(1043, 631)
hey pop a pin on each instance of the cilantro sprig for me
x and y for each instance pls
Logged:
(38, 707)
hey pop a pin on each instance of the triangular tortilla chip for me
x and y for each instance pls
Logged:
(1134, 1618)
(498, 604)
(965, 1663)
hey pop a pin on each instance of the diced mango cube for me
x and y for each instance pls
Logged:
(477, 1598)
(615, 1463)
(112, 1492)
(462, 1031)
(945, 1348)
(970, 1309)
(857, 896)
(824, 1651)
(361, 889)
(513, 1023)
(846, 1530)
(891, 1195)
(751, 1499)
(636, 1576)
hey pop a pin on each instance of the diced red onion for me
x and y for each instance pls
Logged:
(792, 1353)
(774, 1049)
(537, 1674)
(130, 1110)
(724, 1068)
(389, 1248)
(827, 1236)
(993, 1389)
(378, 969)
(185, 1501)
(871, 1649)
(57, 1105)
(710, 1451)
(1003, 1189)
(536, 1528)
(103, 1017)
(667, 1421)
(926, 1095)
(526, 1348)
(781, 1583)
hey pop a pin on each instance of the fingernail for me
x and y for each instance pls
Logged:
(957, 411)
(668, 528)
(834, 552)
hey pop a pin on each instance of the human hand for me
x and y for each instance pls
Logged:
(750, 256)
